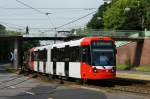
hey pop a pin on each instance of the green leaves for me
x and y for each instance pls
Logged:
(2, 27)
(122, 15)
(4, 32)
(97, 21)
(113, 18)
(117, 16)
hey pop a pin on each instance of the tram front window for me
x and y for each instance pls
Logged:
(102, 57)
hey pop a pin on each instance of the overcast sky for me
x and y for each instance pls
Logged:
(15, 18)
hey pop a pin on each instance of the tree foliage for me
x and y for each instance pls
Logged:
(4, 32)
(122, 15)
(97, 21)
(2, 27)
(146, 11)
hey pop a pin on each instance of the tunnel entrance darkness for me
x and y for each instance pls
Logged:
(6, 47)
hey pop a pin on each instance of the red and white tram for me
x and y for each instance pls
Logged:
(86, 58)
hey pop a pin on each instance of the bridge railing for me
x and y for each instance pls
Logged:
(90, 32)
(121, 33)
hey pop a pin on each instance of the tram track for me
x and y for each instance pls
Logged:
(118, 84)
(125, 85)
(4, 82)
(133, 90)
(14, 78)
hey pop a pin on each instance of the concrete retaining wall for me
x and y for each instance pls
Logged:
(134, 53)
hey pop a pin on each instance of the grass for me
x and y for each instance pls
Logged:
(123, 67)
(128, 67)
(10, 69)
(142, 68)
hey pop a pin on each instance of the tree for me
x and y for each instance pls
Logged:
(2, 27)
(2, 30)
(145, 5)
(97, 21)
(116, 17)
(137, 18)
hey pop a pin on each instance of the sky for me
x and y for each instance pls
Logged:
(16, 16)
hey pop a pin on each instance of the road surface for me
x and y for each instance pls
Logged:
(14, 86)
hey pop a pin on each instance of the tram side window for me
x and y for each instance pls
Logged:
(86, 55)
(36, 56)
(71, 54)
(66, 53)
(54, 55)
(61, 54)
(74, 54)
(42, 55)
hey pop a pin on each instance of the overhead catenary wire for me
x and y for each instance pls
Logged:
(12, 25)
(47, 14)
(75, 20)
(14, 14)
(54, 12)
(68, 23)
(29, 6)
(37, 10)
(19, 8)
(33, 18)
(31, 14)
(72, 21)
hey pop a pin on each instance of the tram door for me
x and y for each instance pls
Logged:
(54, 59)
(66, 53)
(86, 55)
(54, 68)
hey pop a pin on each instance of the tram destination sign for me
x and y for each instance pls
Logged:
(101, 43)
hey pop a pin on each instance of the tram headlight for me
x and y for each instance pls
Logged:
(113, 69)
(95, 70)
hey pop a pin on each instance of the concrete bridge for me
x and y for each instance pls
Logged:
(18, 41)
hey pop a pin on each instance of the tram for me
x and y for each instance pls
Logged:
(87, 58)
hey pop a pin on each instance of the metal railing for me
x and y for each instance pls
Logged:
(88, 32)
(120, 33)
